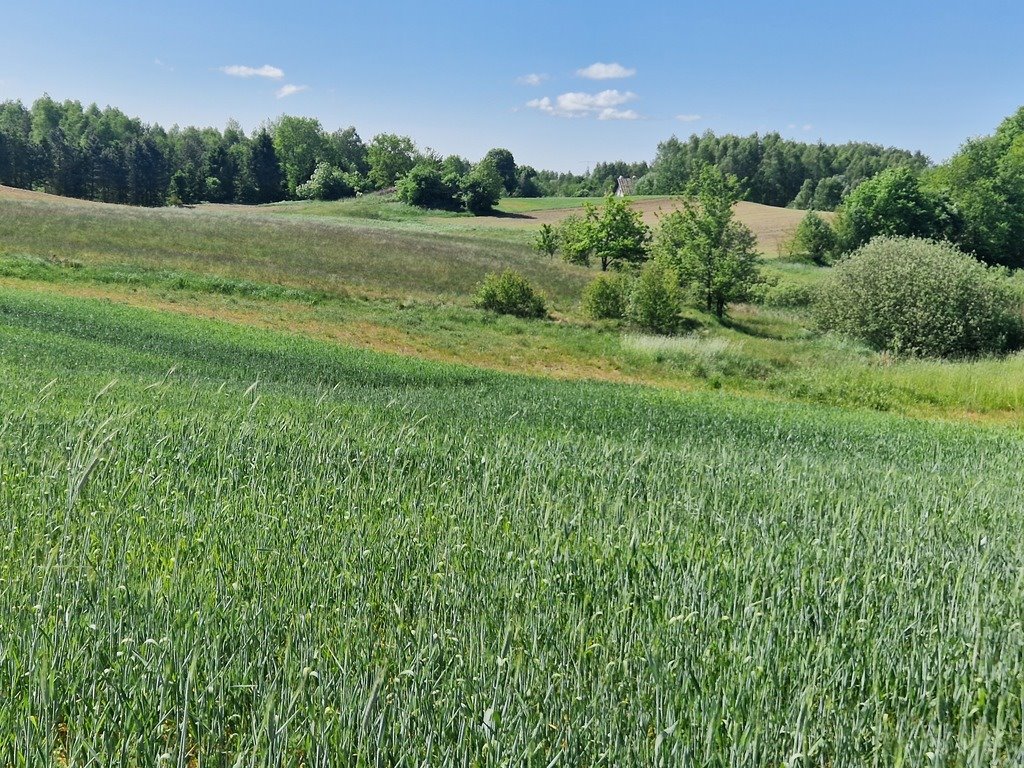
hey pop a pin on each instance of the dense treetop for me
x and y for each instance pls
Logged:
(775, 171)
(102, 154)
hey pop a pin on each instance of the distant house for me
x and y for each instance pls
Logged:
(625, 187)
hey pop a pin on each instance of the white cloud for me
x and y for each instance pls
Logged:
(578, 104)
(162, 65)
(531, 79)
(808, 127)
(599, 71)
(618, 114)
(290, 90)
(238, 70)
(688, 118)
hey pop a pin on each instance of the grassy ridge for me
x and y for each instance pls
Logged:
(338, 255)
(365, 558)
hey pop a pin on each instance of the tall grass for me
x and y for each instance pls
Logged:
(329, 255)
(226, 547)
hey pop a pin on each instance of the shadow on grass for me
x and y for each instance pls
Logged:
(757, 329)
(496, 214)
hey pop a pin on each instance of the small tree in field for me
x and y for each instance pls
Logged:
(713, 254)
(578, 236)
(615, 234)
(622, 237)
(814, 239)
(482, 188)
(655, 301)
(547, 240)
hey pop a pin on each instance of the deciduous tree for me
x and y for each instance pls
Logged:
(713, 255)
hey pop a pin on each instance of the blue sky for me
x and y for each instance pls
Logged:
(456, 76)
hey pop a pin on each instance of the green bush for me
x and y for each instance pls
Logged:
(783, 294)
(607, 297)
(510, 294)
(425, 187)
(919, 297)
(327, 183)
(814, 240)
(481, 189)
(655, 300)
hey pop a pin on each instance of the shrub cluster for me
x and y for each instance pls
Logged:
(510, 294)
(607, 297)
(656, 299)
(920, 297)
(327, 183)
(814, 240)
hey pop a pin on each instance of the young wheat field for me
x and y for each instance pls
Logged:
(231, 547)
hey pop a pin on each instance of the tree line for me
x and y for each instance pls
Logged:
(773, 170)
(102, 154)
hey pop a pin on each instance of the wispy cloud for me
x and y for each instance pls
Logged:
(239, 70)
(531, 79)
(162, 65)
(290, 90)
(618, 114)
(600, 71)
(577, 104)
(688, 118)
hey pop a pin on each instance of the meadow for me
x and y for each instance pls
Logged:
(239, 547)
(269, 504)
(380, 275)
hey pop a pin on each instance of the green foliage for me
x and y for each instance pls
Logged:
(655, 301)
(425, 187)
(773, 170)
(482, 189)
(577, 235)
(263, 171)
(607, 297)
(783, 294)
(985, 181)
(918, 297)
(822, 194)
(327, 183)
(526, 183)
(548, 240)
(510, 294)
(345, 150)
(814, 240)
(713, 255)
(621, 237)
(615, 234)
(894, 204)
(505, 164)
(181, 191)
(390, 157)
(300, 144)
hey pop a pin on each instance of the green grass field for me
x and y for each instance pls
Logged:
(275, 495)
(241, 547)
